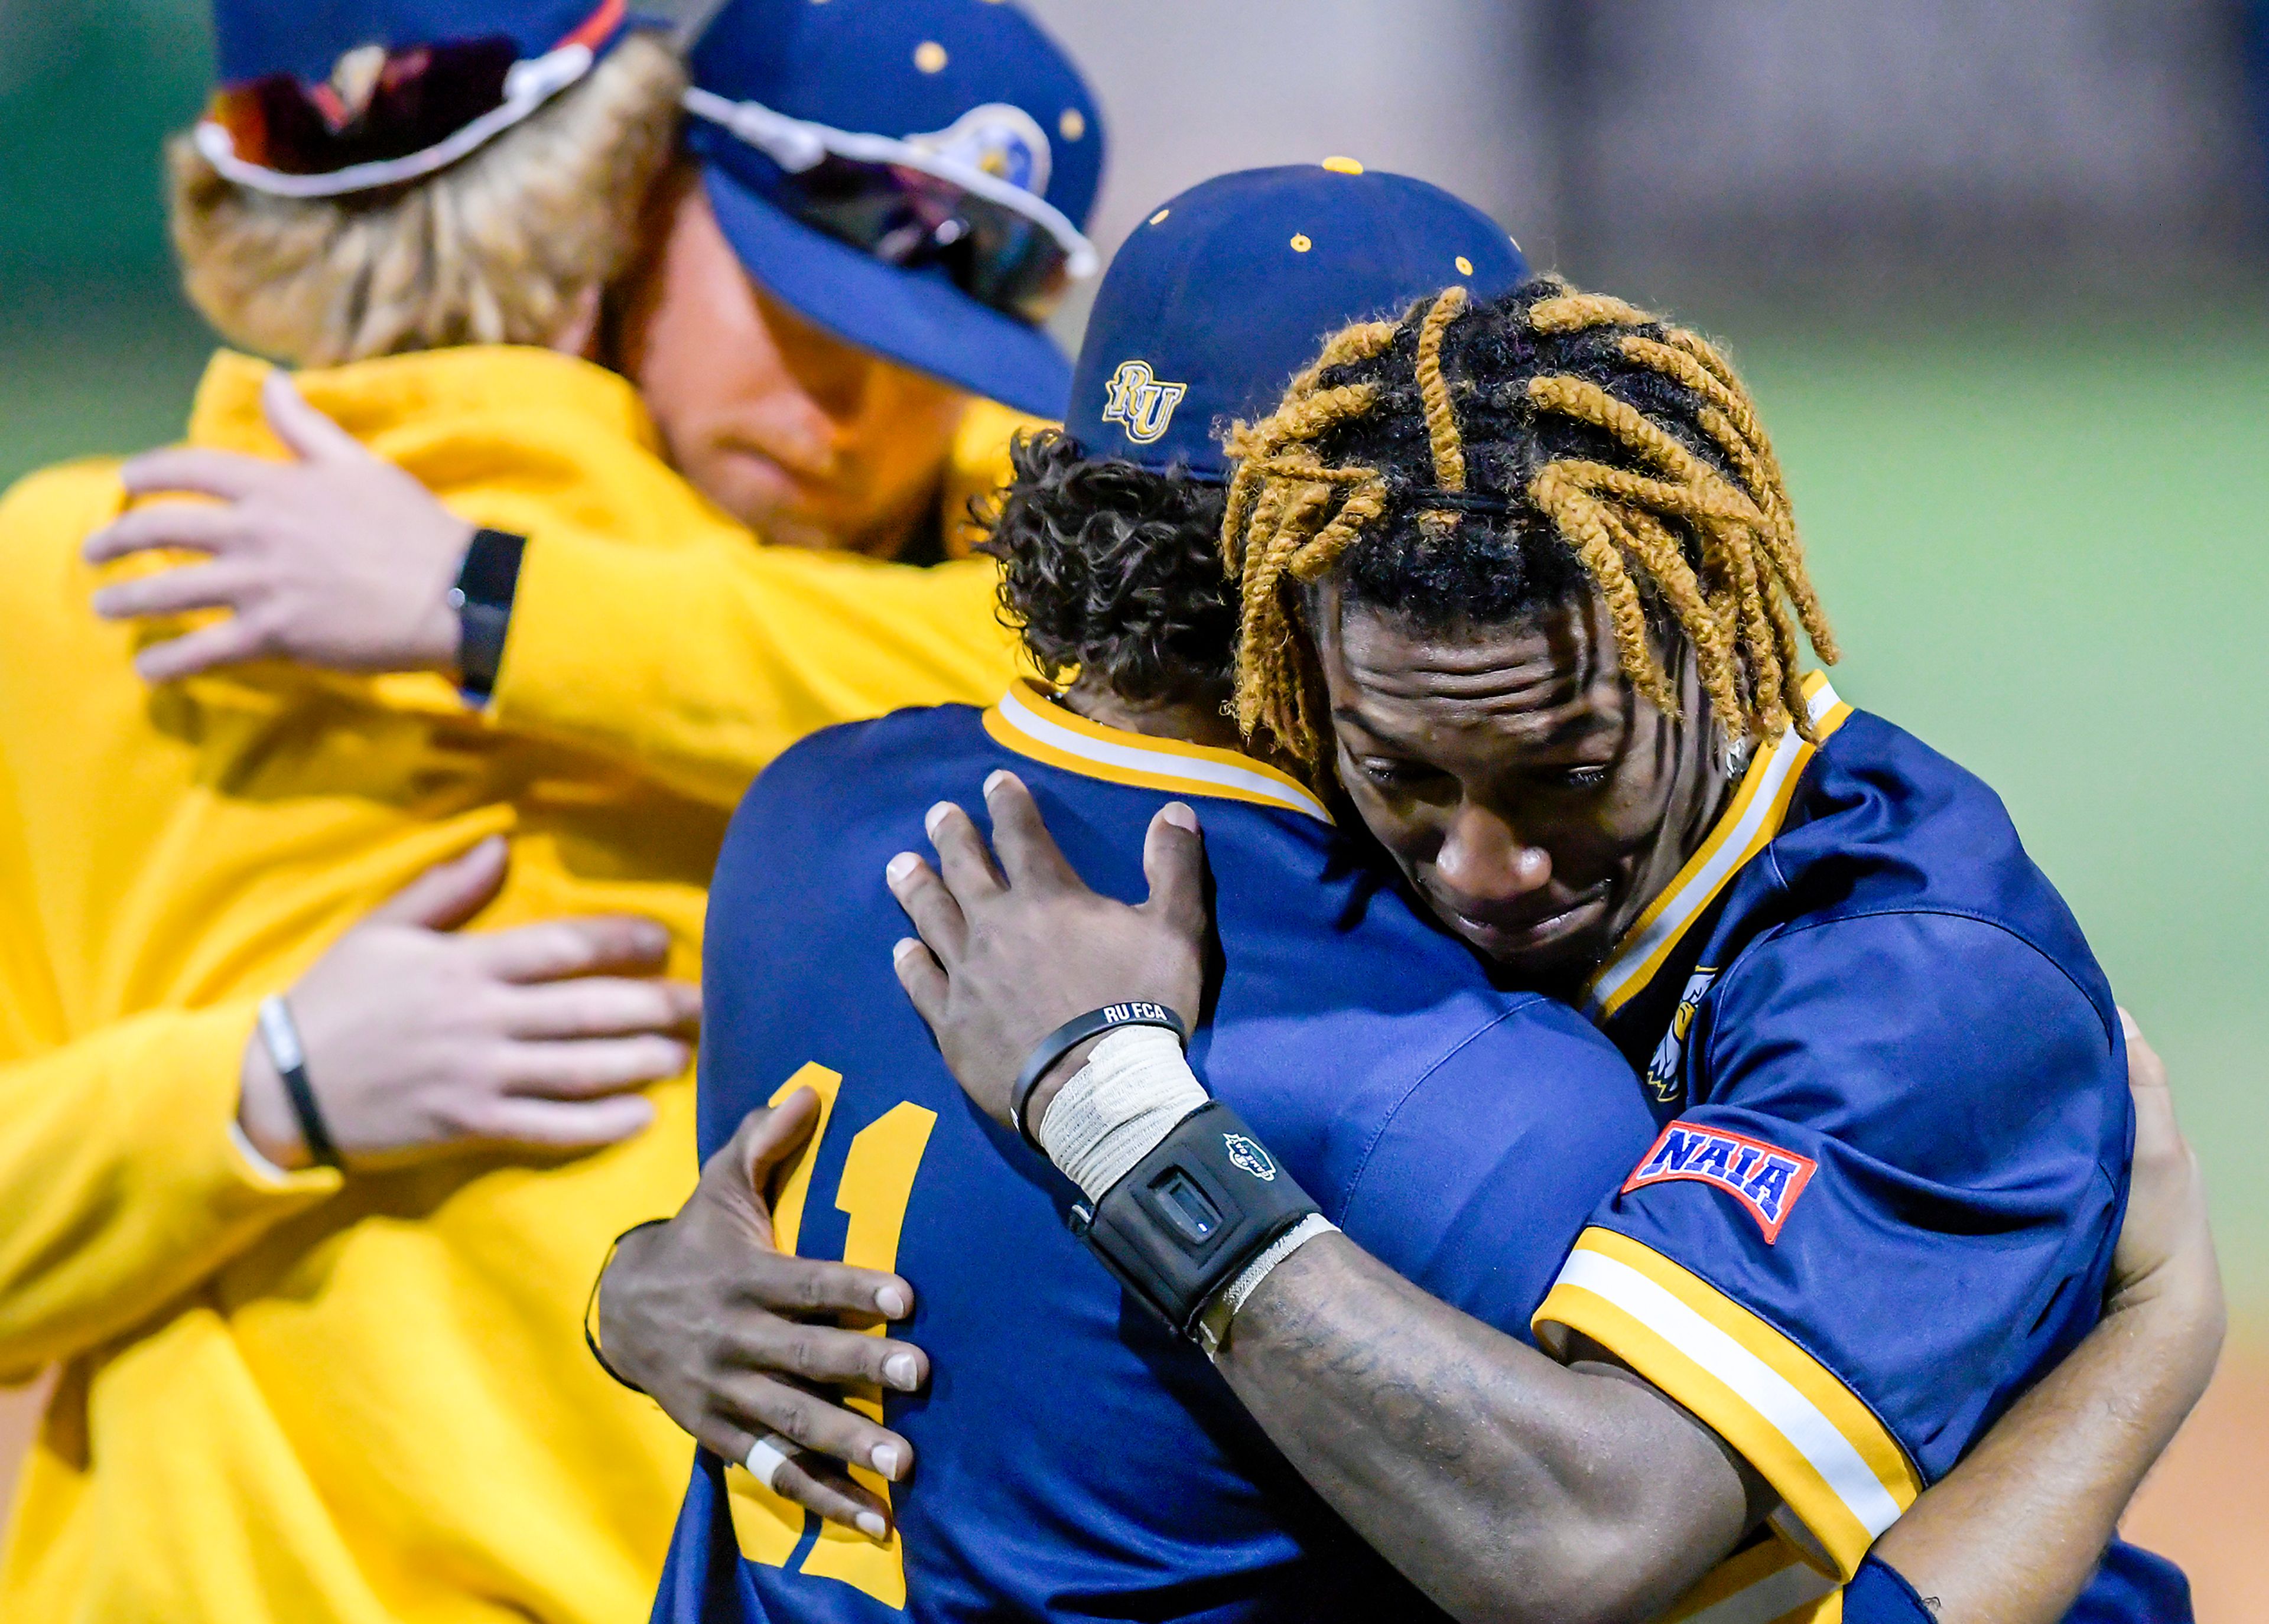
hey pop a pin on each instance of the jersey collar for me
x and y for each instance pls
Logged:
(1029, 721)
(1760, 806)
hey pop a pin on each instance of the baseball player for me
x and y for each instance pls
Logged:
(1517, 578)
(304, 1199)
(826, 294)
(1110, 572)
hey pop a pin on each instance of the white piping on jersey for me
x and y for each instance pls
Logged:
(1775, 1597)
(1729, 847)
(1757, 1383)
(1196, 771)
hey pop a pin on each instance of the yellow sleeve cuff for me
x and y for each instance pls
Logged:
(1839, 1471)
(185, 1118)
(127, 1179)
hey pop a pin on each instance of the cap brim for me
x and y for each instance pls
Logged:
(920, 322)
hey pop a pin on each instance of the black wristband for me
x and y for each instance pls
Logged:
(1187, 1218)
(486, 584)
(1069, 1036)
(281, 1035)
(591, 1307)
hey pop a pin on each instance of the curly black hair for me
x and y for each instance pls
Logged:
(1112, 570)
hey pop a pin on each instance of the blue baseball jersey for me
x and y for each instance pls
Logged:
(1895, 1140)
(1073, 1460)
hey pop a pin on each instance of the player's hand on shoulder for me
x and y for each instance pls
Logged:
(1010, 951)
(419, 1040)
(335, 559)
(739, 1342)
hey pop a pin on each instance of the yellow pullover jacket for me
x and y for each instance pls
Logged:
(296, 1398)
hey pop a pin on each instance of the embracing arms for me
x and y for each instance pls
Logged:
(697, 659)
(137, 1158)
(1506, 1485)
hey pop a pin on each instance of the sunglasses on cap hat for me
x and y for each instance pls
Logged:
(965, 200)
(385, 117)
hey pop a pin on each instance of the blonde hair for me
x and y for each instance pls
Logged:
(1628, 442)
(498, 249)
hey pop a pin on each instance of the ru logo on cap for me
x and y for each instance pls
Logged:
(1141, 403)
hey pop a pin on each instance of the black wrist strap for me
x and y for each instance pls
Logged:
(591, 1306)
(1187, 1218)
(1068, 1037)
(487, 582)
(281, 1036)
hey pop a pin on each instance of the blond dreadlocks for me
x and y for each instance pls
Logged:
(1523, 451)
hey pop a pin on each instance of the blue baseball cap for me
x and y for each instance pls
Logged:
(809, 134)
(1228, 291)
(320, 98)
(253, 38)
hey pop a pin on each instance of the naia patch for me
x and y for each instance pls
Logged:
(1763, 1177)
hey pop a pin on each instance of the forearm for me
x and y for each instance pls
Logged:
(122, 1185)
(1505, 1485)
(699, 664)
(2012, 1534)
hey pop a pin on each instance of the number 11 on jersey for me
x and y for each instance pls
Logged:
(877, 1182)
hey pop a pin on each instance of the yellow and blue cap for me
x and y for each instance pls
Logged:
(803, 129)
(1228, 291)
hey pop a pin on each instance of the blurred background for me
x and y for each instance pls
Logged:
(1998, 274)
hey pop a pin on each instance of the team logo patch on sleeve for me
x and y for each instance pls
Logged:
(1764, 1179)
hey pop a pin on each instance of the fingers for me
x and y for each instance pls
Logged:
(197, 526)
(829, 1356)
(228, 475)
(559, 949)
(1029, 855)
(230, 642)
(812, 1422)
(600, 1007)
(2145, 1068)
(590, 1067)
(196, 586)
(311, 436)
(923, 979)
(449, 893)
(2158, 1137)
(564, 1124)
(800, 1287)
(827, 1490)
(962, 859)
(768, 1136)
(810, 1481)
(932, 908)
(1173, 861)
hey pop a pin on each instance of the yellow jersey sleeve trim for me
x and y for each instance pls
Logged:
(1029, 722)
(1759, 808)
(1841, 1473)
(1768, 1583)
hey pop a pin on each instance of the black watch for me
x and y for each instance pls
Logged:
(482, 597)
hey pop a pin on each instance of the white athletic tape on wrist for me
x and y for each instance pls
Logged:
(765, 1458)
(1213, 1324)
(1134, 1088)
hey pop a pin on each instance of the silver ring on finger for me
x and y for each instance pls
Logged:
(766, 1457)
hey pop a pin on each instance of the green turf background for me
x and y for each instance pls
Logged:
(2046, 552)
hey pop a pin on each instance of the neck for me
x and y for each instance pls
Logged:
(1192, 719)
